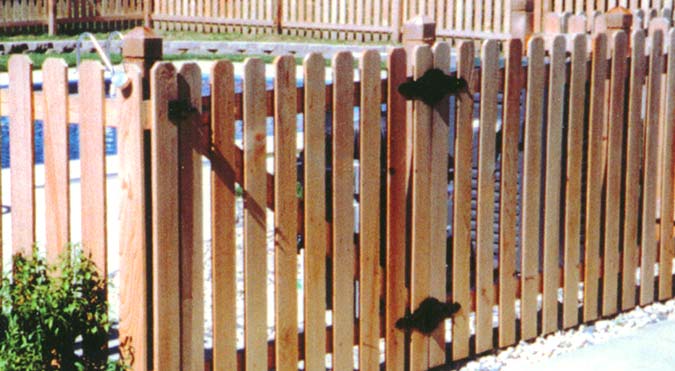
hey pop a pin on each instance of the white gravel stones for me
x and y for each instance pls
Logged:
(513, 358)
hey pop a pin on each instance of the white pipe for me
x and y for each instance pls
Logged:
(99, 50)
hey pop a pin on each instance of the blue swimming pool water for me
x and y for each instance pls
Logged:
(73, 142)
(111, 133)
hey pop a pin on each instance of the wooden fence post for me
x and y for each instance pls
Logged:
(522, 19)
(420, 30)
(140, 50)
(278, 15)
(618, 19)
(147, 13)
(52, 26)
(396, 15)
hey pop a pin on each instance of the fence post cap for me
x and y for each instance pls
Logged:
(142, 48)
(420, 28)
(142, 42)
(619, 18)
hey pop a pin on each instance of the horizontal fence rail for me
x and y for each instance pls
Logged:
(297, 219)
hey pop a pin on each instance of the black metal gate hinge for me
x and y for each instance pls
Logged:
(427, 316)
(433, 86)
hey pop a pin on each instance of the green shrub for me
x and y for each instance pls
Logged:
(47, 309)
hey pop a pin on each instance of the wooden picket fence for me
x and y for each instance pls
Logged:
(566, 187)
(327, 19)
(334, 19)
(24, 16)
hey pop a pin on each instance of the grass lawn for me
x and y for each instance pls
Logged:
(196, 36)
(70, 58)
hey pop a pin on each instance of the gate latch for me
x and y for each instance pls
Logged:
(427, 316)
(433, 86)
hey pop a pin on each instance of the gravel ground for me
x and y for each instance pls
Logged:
(561, 342)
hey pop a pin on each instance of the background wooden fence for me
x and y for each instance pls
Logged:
(24, 16)
(328, 19)
(583, 201)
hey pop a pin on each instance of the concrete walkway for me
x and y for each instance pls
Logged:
(651, 348)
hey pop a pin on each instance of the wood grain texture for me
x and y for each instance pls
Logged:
(614, 168)
(573, 196)
(594, 181)
(285, 215)
(165, 216)
(486, 195)
(133, 286)
(191, 233)
(553, 186)
(21, 153)
(223, 217)
(509, 193)
(57, 174)
(316, 224)
(440, 146)
(461, 229)
(92, 164)
(421, 210)
(255, 249)
(532, 179)
(634, 133)
(666, 252)
(397, 196)
(369, 212)
(343, 212)
(650, 157)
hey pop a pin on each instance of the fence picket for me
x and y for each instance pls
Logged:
(223, 214)
(190, 204)
(316, 225)
(553, 186)
(614, 166)
(531, 210)
(573, 195)
(634, 133)
(421, 210)
(165, 215)
(666, 253)
(343, 212)
(461, 229)
(285, 215)
(648, 242)
(92, 163)
(255, 244)
(486, 194)
(21, 153)
(57, 174)
(594, 181)
(509, 193)
(369, 212)
(440, 135)
(397, 195)
(478, 16)
(133, 285)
